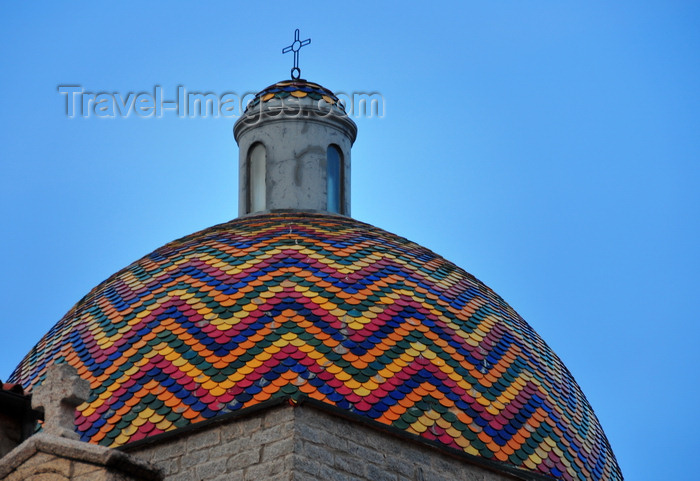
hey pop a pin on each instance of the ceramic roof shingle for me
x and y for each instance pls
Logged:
(334, 309)
(298, 89)
(11, 387)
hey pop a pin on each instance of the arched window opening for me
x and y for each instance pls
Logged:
(334, 179)
(257, 159)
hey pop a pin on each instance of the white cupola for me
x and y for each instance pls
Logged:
(294, 140)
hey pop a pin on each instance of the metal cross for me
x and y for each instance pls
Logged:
(294, 47)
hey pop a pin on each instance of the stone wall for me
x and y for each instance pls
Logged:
(17, 420)
(330, 448)
(49, 467)
(254, 448)
(10, 433)
(304, 443)
(45, 457)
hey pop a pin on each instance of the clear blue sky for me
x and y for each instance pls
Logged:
(550, 148)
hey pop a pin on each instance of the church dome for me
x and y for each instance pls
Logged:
(326, 307)
(295, 89)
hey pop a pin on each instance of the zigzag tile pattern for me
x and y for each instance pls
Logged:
(334, 309)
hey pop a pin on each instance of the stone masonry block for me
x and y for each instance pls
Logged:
(285, 476)
(401, 465)
(320, 434)
(303, 464)
(49, 464)
(244, 459)
(38, 459)
(194, 458)
(349, 464)
(242, 428)
(229, 448)
(51, 467)
(203, 439)
(234, 476)
(185, 475)
(380, 473)
(271, 434)
(365, 453)
(85, 469)
(169, 466)
(167, 451)
(318, 453)
(278, 449)
(278, 416)
(263, 471)
(211, 469)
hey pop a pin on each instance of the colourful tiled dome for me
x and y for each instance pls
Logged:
(295, 89)
(330, 308)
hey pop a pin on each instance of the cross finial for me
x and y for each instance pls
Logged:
(61, 392)
(294, 47)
